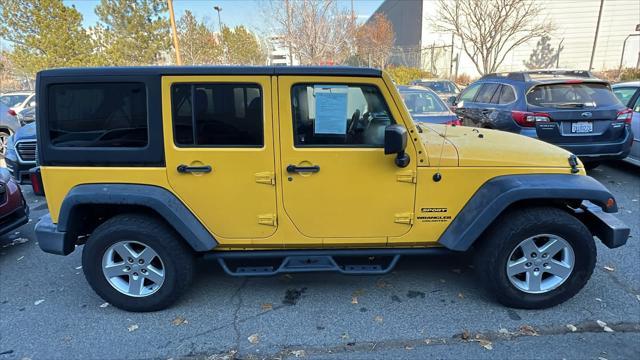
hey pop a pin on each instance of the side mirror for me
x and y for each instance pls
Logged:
(452, 100)
(395, 141)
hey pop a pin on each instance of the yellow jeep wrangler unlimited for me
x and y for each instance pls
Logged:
(297, 169)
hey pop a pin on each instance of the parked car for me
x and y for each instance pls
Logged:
(21, 152)
(8, 125)
(629, 94)
(446, 89)
(170, 164)
(14, 211)
(424, 105)
(27, 115)
(18, 100)
(570, 109)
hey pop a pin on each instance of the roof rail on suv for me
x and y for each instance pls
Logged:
(531, 74)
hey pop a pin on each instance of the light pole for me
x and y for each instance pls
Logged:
(218, 9)
(174, 32)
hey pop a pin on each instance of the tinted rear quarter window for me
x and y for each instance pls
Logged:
(507, 94)
(572, 95)
(98, 115)
(470, 92)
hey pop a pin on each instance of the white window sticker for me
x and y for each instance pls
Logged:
(331, 109)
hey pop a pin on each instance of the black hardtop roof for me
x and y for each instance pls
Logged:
(213, 70)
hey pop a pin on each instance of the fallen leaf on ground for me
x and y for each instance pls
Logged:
(601, 323)
(610, 268)
(132, 327)
(572, 328)
(503, 331)
(20, 258)
(528, 330)
(104, 305)
(38, 302)
(598, 299)
(461, 295)
(266, 307)
(408, 347)
(254, 339)
(465, 334)
(486, 344)
(354, 300)
(381, 284)
(607, 329)
(638, 297)
(344, 336)
(179, 321)
(378, 319)
(298, 353)
(78, 267)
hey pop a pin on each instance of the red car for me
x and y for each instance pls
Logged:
(14, 211)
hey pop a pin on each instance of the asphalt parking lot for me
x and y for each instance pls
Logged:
(427, 308)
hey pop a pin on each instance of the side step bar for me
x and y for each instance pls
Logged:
(347, 261)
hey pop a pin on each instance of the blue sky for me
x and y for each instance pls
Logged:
(251, 13)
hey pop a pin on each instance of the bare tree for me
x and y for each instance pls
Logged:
(316, 31)
(490, 29)
(374, 41)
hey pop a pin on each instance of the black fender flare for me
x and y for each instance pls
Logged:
(158, 199)
(494, 196)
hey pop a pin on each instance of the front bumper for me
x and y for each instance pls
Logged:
(14, 220)
(19, 170)
(51, 240)
(608, 228)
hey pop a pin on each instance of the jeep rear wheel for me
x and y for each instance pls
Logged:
(137, 263)
(536, 258)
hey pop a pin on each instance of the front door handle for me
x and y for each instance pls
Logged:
(184, 169)
(303, 169)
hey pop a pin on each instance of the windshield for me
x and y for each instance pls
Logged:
(422, 102)
(13, 100)
(577, 95)
(441, 86)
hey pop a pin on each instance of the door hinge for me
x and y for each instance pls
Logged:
(404, 218)
(266, 177)
(267, 219)
(407, 176)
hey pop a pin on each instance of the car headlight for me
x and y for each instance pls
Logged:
(11, 144)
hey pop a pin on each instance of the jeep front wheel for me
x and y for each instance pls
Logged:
(536, 258)
(137, 263)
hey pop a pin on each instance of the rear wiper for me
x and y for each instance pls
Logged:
(568, 104)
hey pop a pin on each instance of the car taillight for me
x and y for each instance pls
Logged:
(12, 112)
(455, 122)
(36, 181)
(625, 115)
(529, 119)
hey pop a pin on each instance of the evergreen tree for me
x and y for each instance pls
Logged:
(133, 32)
(198, 44)
(45, 34)
(241, 47)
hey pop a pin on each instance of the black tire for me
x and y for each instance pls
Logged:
(590, 165)
(515, 226)
(177, 259)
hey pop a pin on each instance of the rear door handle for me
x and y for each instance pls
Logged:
(184, 169)
(303, 169)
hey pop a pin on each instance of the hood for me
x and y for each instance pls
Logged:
(435, 117)
(27, 132)
(477, 147)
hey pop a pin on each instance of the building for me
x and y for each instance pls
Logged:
(279, 54)
(418, 44)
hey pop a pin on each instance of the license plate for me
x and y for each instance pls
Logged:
(582, 127)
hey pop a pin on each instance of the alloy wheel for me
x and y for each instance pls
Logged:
(133, 268)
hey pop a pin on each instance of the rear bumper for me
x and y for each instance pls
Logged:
(590, 151)
(608, 228)
(51, 240)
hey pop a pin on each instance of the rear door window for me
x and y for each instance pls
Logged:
(572, 95)
(486, 93)
(217, 115)
(98, 115)
(507, 95)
